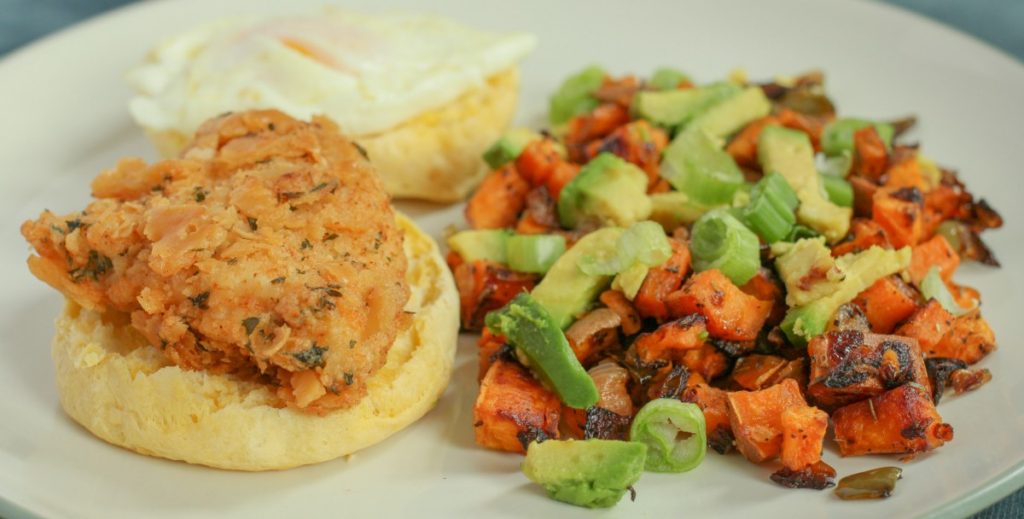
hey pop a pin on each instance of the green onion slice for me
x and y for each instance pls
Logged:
(932, 287)
(674, 433)
(720, 241)
(643, 242)
(770, 212)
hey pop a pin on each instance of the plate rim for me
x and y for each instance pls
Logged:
(988, 493)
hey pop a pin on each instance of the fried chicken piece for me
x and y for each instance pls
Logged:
(268, 250)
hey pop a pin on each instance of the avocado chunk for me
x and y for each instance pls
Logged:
(629, 280)
(606, 191)
(807, 269)
(507, 148)
(859, 271)
(789, 152)
(482, 244)
(591, 473)
(698, 167)
(733, 113)
(674, 209)
(667, 78)
(543, 348)
(671, 108)
(837, 137)
(566, 291)
(575, 95)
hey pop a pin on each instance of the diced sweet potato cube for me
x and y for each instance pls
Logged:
(901, 420)
(537, 160)
(706, 361)
(803, 432)
(905, 172)
(616, 301)
(662, 281)
(743, 146)
(886, 303)
(756, 418)
(870, 156)
(713, 402)
(513, 409)
(672, 339)
(766, 287)
(899, 211)
(731, 314)
(935, 252)
(485, 286)
(498, 200)
(969, 339)
(928, 324)
(863, 235)
(756, 371)
(489, 346)
(848, 366)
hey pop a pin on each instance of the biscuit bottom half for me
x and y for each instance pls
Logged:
(126, 392)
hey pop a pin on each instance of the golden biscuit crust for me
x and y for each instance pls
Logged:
(435, 156)
(126, 392)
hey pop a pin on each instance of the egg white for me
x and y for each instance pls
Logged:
(367, 72)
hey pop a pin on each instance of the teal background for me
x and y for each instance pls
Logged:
(997, 22)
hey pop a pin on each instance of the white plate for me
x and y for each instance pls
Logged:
(64, 103)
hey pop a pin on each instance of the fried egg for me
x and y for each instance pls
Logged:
(367, 72)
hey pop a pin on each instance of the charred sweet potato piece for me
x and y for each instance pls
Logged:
(743, 146)
(904, 171)
(485, 286)
(537, 161)
(803, 433)
(864, 190)
(730, 313)
(499, 199)
(935, 252)
(766, 287)
(969, 339)
(671, 340)
(756, 371)
(928, 324)
(616, 301)
(489, 347)
(899, 212)
(870, 157)
(670, 381)
(863, 235)
(901, 420)
(886, 303)
(513, 409)
(663, 280)
(638, 142)
(594, 332)
(755, 418)
(597, 124)
(715, 406)
(706, 361)
(812, 125)
(848, 366)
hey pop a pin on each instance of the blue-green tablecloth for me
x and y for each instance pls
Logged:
(998, 22)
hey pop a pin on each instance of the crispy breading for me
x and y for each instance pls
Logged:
(269, 249)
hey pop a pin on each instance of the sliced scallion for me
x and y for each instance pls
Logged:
(932, 287)
(770, 212)
(674, 432)
(720, 241)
